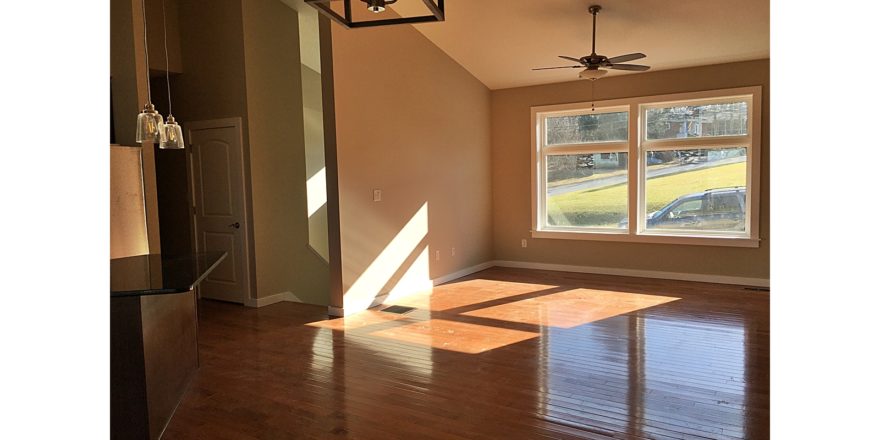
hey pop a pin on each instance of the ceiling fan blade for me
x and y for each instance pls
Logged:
(625, 58)
(627, 67)
(560, 67)
(577, 60)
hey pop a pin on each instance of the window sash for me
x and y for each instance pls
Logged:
(637, 147)
(544, 187)
(582, 112)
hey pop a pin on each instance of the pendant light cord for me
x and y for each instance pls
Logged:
(146, 49)
(167, 74)
(592, 95)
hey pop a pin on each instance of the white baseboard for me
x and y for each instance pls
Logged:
(705, 278)
(272, 299)
(461, 273)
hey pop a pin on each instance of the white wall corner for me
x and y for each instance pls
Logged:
(272, 299)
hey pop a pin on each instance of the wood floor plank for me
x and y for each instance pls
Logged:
(503, 353)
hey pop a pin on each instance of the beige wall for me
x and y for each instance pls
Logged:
(284, 260)
(212, 85)
(156, 36)
(511, 182)
(413, 123)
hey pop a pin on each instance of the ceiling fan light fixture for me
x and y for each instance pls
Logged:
(594, 61)
(592, 74)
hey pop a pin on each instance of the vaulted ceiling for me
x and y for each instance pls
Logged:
(500, 41)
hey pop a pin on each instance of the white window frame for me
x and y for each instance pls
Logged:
(637, 147)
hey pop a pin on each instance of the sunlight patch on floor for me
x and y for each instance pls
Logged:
(466, 293)
(570, 308)
(455, 336)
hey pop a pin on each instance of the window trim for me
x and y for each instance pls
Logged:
(637, 148)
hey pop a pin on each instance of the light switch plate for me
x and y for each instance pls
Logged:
(377, 195)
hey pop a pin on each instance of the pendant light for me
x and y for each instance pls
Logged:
(173, 134)
(343, 12)
(377, 6)
(149, 122)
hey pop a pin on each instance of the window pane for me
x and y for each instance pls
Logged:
(587, 190)
(696, 190)
(729, 119)
(599, 127)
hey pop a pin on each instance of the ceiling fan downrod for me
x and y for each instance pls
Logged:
(594, 10)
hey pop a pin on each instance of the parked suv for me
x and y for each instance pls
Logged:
(720, 209)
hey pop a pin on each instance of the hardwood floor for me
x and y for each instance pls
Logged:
(501, 354)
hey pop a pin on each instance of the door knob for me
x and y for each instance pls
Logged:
(235, 225)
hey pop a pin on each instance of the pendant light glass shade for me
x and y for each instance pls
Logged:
(149, 126)
(173, 135)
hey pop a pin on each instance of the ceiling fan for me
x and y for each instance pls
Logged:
(593, 62)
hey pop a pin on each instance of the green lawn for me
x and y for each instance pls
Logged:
(607, 206)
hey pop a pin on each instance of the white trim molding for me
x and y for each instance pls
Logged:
(462, 273)
(272, 299)
(698, 277)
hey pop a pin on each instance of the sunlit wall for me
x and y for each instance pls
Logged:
(414, 124)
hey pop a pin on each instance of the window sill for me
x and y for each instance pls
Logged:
(624, 237)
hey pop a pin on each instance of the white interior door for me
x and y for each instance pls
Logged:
(220, 222)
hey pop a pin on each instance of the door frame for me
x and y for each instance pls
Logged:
(247, 247)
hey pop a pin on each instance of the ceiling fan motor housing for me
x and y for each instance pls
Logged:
(592, 73)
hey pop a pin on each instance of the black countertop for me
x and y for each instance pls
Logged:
(156, 274)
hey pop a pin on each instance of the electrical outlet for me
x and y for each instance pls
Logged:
(437, 255)
(525, 243)
(452, 254)
(377, 195)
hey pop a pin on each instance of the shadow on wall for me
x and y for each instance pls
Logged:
(401, 268)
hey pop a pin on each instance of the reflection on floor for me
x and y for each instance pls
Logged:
(504, 353)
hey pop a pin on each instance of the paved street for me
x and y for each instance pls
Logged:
(615, 180)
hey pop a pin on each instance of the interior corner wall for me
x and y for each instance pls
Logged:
(414, 124)
(211, 86)
(511, 183)
(284, 260)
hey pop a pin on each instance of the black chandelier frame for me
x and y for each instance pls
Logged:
(437, 8)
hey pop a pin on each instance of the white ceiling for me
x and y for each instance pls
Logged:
(500, 41)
